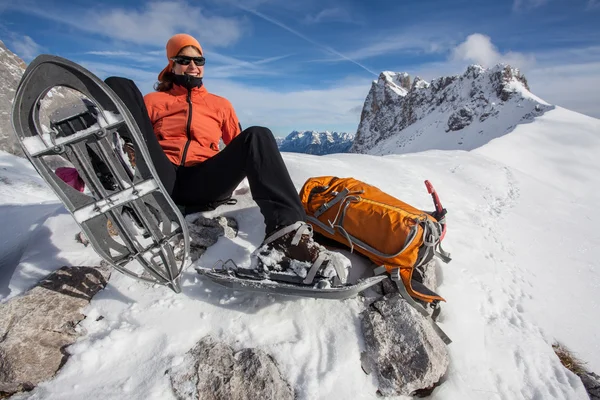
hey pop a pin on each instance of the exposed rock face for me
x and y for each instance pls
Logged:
(204, 232)
(455, 112)
(11, 70)
(402, 349)
(591, 381)
(37, 327)
(317, 143)
(460, 119)
(213, 371)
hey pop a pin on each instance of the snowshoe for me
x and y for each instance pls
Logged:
(96, 134)
(229, 275)
(290, 262)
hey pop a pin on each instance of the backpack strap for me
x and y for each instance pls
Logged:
(432, 241)
(326, 206)
(395, 276)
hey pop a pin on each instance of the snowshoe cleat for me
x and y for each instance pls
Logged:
(96, 134)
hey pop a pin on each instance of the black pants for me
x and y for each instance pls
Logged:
(253, 154)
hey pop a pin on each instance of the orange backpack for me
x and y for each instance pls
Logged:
(390, 232)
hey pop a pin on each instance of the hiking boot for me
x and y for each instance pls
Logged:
(130, 151)
(291, 254)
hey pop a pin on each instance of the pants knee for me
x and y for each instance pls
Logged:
(258, 130)
(116, 82)
(259, 133)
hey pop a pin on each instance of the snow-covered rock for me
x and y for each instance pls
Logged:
(456, 112)
(279, 140)
(36, 327)
(204, 232)
(11, 70)
(317, 143)
(402, 347)
(212, 370)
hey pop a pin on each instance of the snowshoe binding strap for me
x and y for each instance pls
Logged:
(312, 272)
(300, 227)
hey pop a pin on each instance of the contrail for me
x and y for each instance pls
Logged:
(300, 35)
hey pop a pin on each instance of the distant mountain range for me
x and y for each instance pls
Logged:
(317, 143)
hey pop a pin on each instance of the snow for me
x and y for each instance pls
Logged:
(522, 229)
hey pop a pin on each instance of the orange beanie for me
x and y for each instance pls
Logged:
(174, 46)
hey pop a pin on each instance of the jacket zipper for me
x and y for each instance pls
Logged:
(189, 124)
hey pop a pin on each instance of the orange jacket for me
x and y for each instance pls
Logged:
(189, 125)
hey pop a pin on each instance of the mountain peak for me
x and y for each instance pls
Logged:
(419, 116)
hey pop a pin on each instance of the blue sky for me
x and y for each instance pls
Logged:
(309, 65)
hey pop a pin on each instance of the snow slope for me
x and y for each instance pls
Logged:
(522, 232)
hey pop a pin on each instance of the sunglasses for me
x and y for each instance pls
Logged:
(185, 60)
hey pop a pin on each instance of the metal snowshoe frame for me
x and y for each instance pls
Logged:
(143, 193)
(228, 274)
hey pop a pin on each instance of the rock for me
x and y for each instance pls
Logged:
(11, 70)
(204, 232)
(591, 382)
(213, 371)
(402, 349)
(37, 327)
(427, 275)
(460, 119)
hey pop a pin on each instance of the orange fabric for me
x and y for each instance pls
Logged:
(174, 46)
(212, 118)
(374, 217)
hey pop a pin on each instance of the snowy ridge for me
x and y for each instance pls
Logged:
(317, 143)
(456, 112)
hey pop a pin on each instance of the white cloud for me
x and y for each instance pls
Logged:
(573, 86)
(234, 68)
(519, 5)
(337, 106)
(110, 53)
(104, 70)
(153, 24)
(329, 14)
(25, 47)
(592, 4)
(396, 44)
(479, 49)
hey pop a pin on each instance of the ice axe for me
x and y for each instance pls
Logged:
(440, 212)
